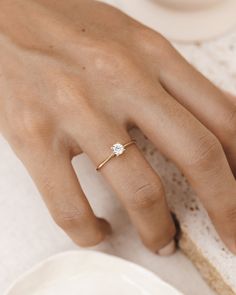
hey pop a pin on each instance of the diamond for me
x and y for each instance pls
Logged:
(118, 149)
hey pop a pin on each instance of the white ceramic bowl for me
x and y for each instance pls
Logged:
(183, 20)
(89, 273)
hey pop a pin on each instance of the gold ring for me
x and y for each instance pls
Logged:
(117, 150)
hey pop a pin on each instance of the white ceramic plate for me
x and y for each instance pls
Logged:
(89, 273)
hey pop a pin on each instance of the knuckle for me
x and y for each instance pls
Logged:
(145, 196)
(31, 127)
(110, 58)
(152, 41)
(28, 121)
(71, 95)
(86, 232)
(207, 149)
(70, 218)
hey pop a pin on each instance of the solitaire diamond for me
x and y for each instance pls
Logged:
(118, 149)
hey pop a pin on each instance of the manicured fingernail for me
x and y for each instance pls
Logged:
(168, 249)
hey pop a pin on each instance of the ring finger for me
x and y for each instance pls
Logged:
(135, 182)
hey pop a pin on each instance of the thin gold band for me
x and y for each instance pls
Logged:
(114, 154)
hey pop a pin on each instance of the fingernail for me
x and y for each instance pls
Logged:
(168, 249)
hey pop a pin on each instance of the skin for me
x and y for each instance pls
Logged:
(77, 74)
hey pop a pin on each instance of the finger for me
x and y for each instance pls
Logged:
(55, 178)
(231, 97)
(207, 102)
(183, 139)
(134, 181)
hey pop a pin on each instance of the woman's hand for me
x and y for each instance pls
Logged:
(74, 77)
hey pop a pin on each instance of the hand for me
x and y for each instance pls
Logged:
(75, 77)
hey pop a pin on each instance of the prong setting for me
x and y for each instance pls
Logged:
(118, 149)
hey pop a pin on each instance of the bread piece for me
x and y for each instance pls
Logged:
(198, 239)
(206, 268)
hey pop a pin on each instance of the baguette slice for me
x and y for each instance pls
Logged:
(198, 239)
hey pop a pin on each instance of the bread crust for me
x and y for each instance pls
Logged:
(207, 270)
